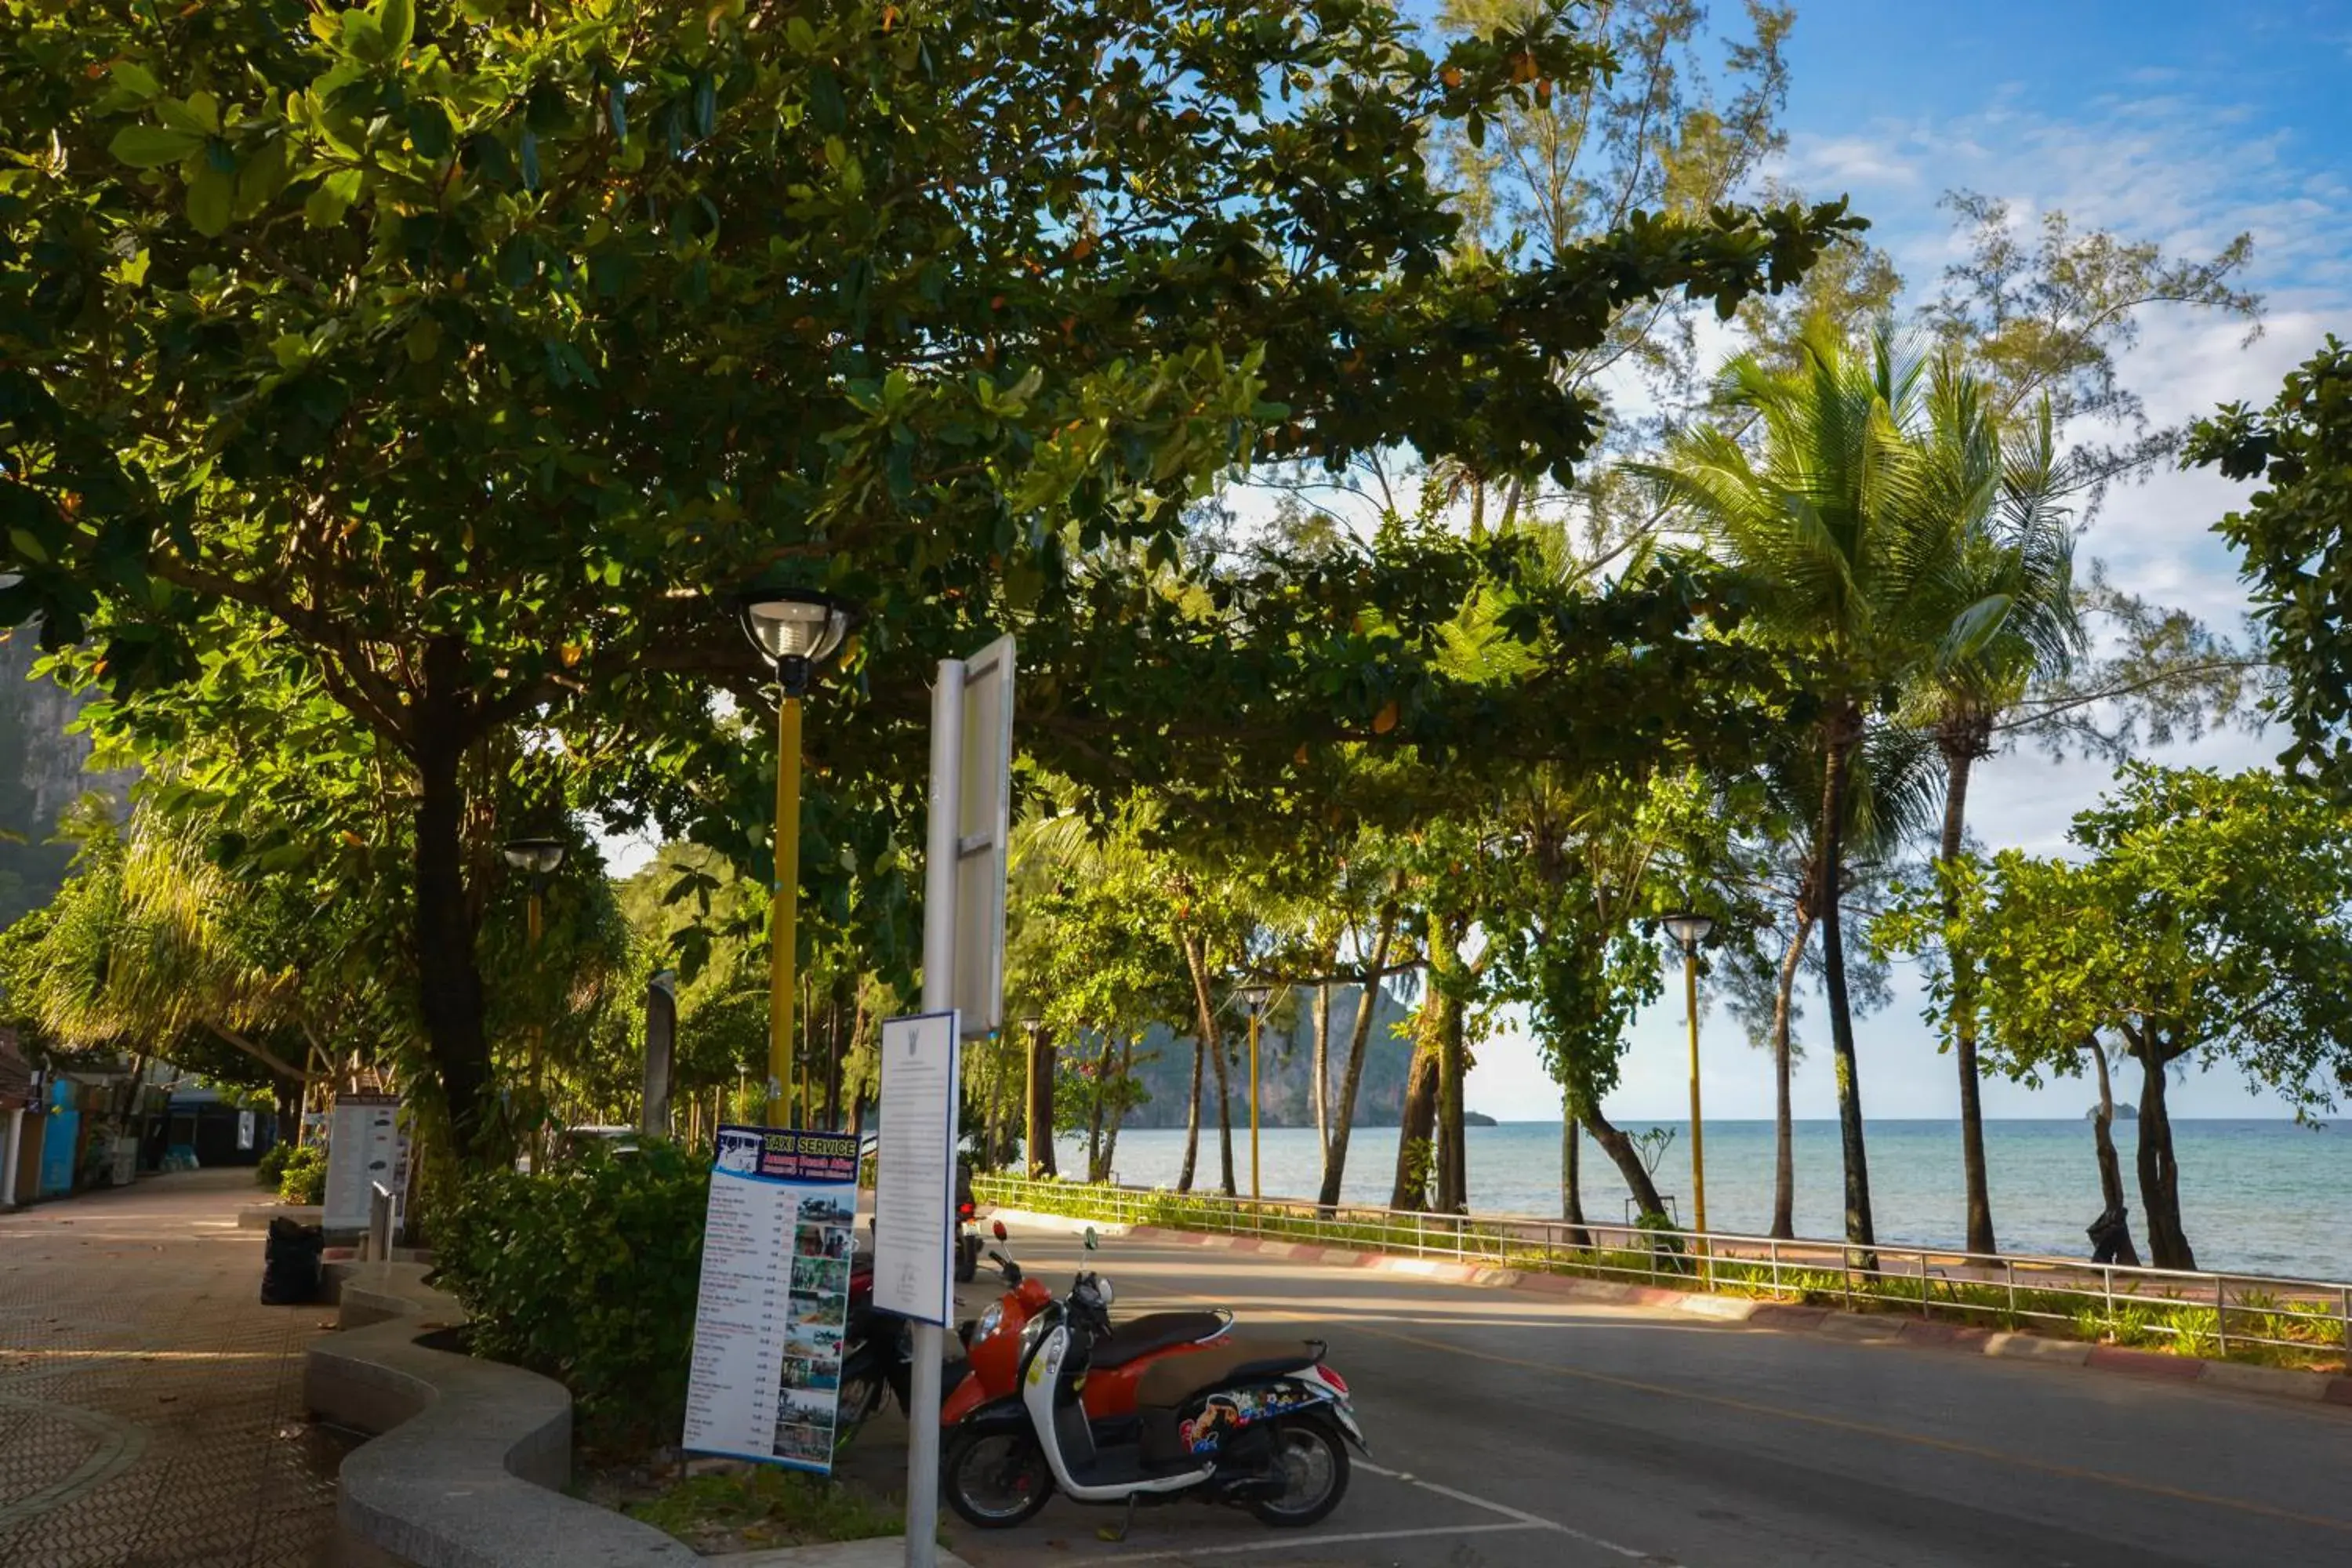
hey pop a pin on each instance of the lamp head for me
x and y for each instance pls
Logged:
(798, 630)
(1254, 997)
(539, 856)
(1689, 929)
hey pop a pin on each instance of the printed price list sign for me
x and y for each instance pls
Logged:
(777, 1245)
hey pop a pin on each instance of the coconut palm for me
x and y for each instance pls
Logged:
(2016, 569)
(1819, 506)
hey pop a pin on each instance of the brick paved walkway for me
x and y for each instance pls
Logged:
(150, 1407)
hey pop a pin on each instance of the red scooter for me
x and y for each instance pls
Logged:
(993, 1348)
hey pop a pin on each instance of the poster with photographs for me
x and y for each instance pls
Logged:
(777, 1242)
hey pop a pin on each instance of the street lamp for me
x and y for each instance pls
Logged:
(798, 631)
(1689, 930)
(1255, 998)
(538, 859)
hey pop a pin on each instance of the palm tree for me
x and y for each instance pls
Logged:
(2016, 569)
(1857, 580)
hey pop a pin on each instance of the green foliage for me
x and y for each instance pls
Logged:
(271, 1166)
(302, 1176)
(2295, 540)
(332, 340)
(2158, 933)
(587, 1274)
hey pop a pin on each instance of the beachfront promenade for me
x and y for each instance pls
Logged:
(150, 1405)
(1510, 1429)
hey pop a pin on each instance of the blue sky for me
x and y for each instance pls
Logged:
(2187, 124)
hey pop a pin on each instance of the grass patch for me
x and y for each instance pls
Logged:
(765, 1508)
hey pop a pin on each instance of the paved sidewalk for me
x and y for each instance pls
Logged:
(150, 1407)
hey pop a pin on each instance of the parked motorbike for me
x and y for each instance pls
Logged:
(1259, 1424)
(993, 1344)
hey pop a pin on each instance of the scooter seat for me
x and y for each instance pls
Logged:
(1172, 1382)
(1150, 1334)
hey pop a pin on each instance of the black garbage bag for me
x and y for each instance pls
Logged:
(289, 1263)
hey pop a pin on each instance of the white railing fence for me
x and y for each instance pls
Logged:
(2199, 1311)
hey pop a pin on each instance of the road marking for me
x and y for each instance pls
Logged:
(1862, 1428)
(1299, 1543)
(116, 1446)
(1525, 1521)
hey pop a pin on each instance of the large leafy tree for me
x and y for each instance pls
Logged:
(469, 356)
(2159, 938)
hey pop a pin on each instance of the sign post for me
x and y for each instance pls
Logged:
(963, 972)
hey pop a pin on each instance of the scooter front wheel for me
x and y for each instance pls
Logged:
(1311, 1461)
(995, 1479)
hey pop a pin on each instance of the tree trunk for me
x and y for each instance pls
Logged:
(2160, 1174)
(1841, 736)
(1040, 1104)
(449, 985)
(2111, 1169)
(1626, 1158)
(1452, 1172)
(1192, 1118)
(1784, 1148)
(1103, 1065)
(1415, 1126)
(1111, 1134)
(1959, 756)
(1571, 1185)
(1359, 1034)
(1205, 1011)
(1322, 1068)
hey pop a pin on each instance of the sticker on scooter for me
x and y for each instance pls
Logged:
(1231, 1412)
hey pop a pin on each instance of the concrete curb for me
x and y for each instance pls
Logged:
(1859, 1328)
(469, 1454)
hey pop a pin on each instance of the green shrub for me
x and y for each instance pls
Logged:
(303, 1179)
(271, 1166)
(587, 1274)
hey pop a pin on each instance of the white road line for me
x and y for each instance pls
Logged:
(1299, 1543)
(1525, 1521)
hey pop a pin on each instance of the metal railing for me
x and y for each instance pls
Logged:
(2199, 1311)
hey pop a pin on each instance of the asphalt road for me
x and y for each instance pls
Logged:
(1509, 1430)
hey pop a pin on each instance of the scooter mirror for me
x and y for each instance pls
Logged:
(999, 1228)
(1090, 1238)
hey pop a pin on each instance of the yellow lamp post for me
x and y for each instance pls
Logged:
(538, 859)
(799, 631)
(1254, 997)
(1689, 930)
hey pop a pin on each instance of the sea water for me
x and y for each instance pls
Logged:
(2266, 1197)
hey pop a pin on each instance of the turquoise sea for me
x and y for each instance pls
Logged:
(2264, 1196)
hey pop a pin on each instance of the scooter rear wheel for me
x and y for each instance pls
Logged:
(1312, 1458)
(995, 1479)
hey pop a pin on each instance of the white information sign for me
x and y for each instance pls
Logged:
(245, 1130)
(914, 1186)
(777, 1244)
(983, 808)
(363, 1149)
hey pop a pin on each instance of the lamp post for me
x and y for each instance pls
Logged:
(1254, 997)
(799, 631)
(1689, 930)
(537, 859)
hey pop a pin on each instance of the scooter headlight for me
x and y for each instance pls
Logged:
(990, 1320)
